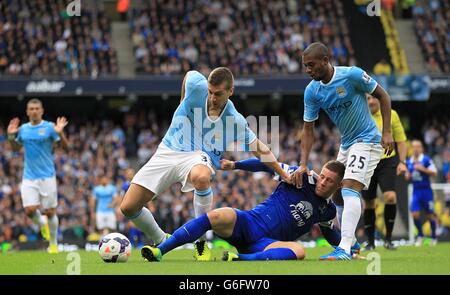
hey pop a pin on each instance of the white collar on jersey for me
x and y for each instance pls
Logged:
(332, 78)
(420, 159)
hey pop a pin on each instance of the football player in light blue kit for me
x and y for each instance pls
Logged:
(340, 92)
(38, 187)
(420, 169)
(204, 125)
(102, 203)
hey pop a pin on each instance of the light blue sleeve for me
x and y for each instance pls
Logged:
(195, 85)
(94, 193)
(54, 135)
(361, 80)
(312, 107)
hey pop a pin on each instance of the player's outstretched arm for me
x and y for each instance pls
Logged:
(262, 152)
(62, 122)
(13, 129)
(387, 139)
(307, 141)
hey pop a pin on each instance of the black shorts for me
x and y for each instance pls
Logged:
(384, 175)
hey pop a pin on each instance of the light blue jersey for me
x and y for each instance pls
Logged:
(192, 129)
(37, 141)
(344, 100)
(104, 196)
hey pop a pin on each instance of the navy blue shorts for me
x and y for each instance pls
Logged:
(248, 235)
(422, 200)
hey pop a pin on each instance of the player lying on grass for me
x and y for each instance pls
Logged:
(268, 231)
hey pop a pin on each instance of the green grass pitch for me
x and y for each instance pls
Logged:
(406, 260)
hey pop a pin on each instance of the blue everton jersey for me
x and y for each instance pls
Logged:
(290, 212)
(104, 196)
(192, 129)
(125, 187)
(344, 100)
(37, 141)
(419, 179)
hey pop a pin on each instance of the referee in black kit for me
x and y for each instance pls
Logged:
(385, 175)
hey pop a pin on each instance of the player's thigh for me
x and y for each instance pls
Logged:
(30, 194)
(48, 194)
(297, 248)
(158, 174)
(388, 175)
(370, 195)
(223, 221)
(362, 161)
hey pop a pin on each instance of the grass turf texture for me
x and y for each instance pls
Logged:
(406, 260)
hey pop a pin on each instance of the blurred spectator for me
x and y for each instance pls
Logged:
(382, 68)
(38, 38)
(249, 36)
(431, 19)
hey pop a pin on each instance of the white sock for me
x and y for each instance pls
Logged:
(53, 227)
(350, 217)
(38, 218)
(147, 224)
(202, 204)
(339, 210)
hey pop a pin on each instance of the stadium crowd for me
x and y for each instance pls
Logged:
(250, 36)
(39, 39)
(431, 20)
(103, 148)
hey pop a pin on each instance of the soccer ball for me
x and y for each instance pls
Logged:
(114, 247)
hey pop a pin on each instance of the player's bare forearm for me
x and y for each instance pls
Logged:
(307, 141)
(63, 140)
(402, 151)
(385, 107)
(14, 145)
(265, 155)
(183, 88)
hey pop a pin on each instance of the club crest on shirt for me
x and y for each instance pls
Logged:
(41, 131)
(341, 91)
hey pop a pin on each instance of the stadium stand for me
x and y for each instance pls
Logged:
(431, 20)
(251, 37)
(39, 39)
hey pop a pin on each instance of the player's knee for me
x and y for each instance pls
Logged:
(128, 209)
(50, 212)
(30, 211)
(299, 252)
(390, 198)
(214, 217)
(201, 181)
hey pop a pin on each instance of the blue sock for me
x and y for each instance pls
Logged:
(187, 233)
(418, 224)
(271, 254)
(433, 228)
